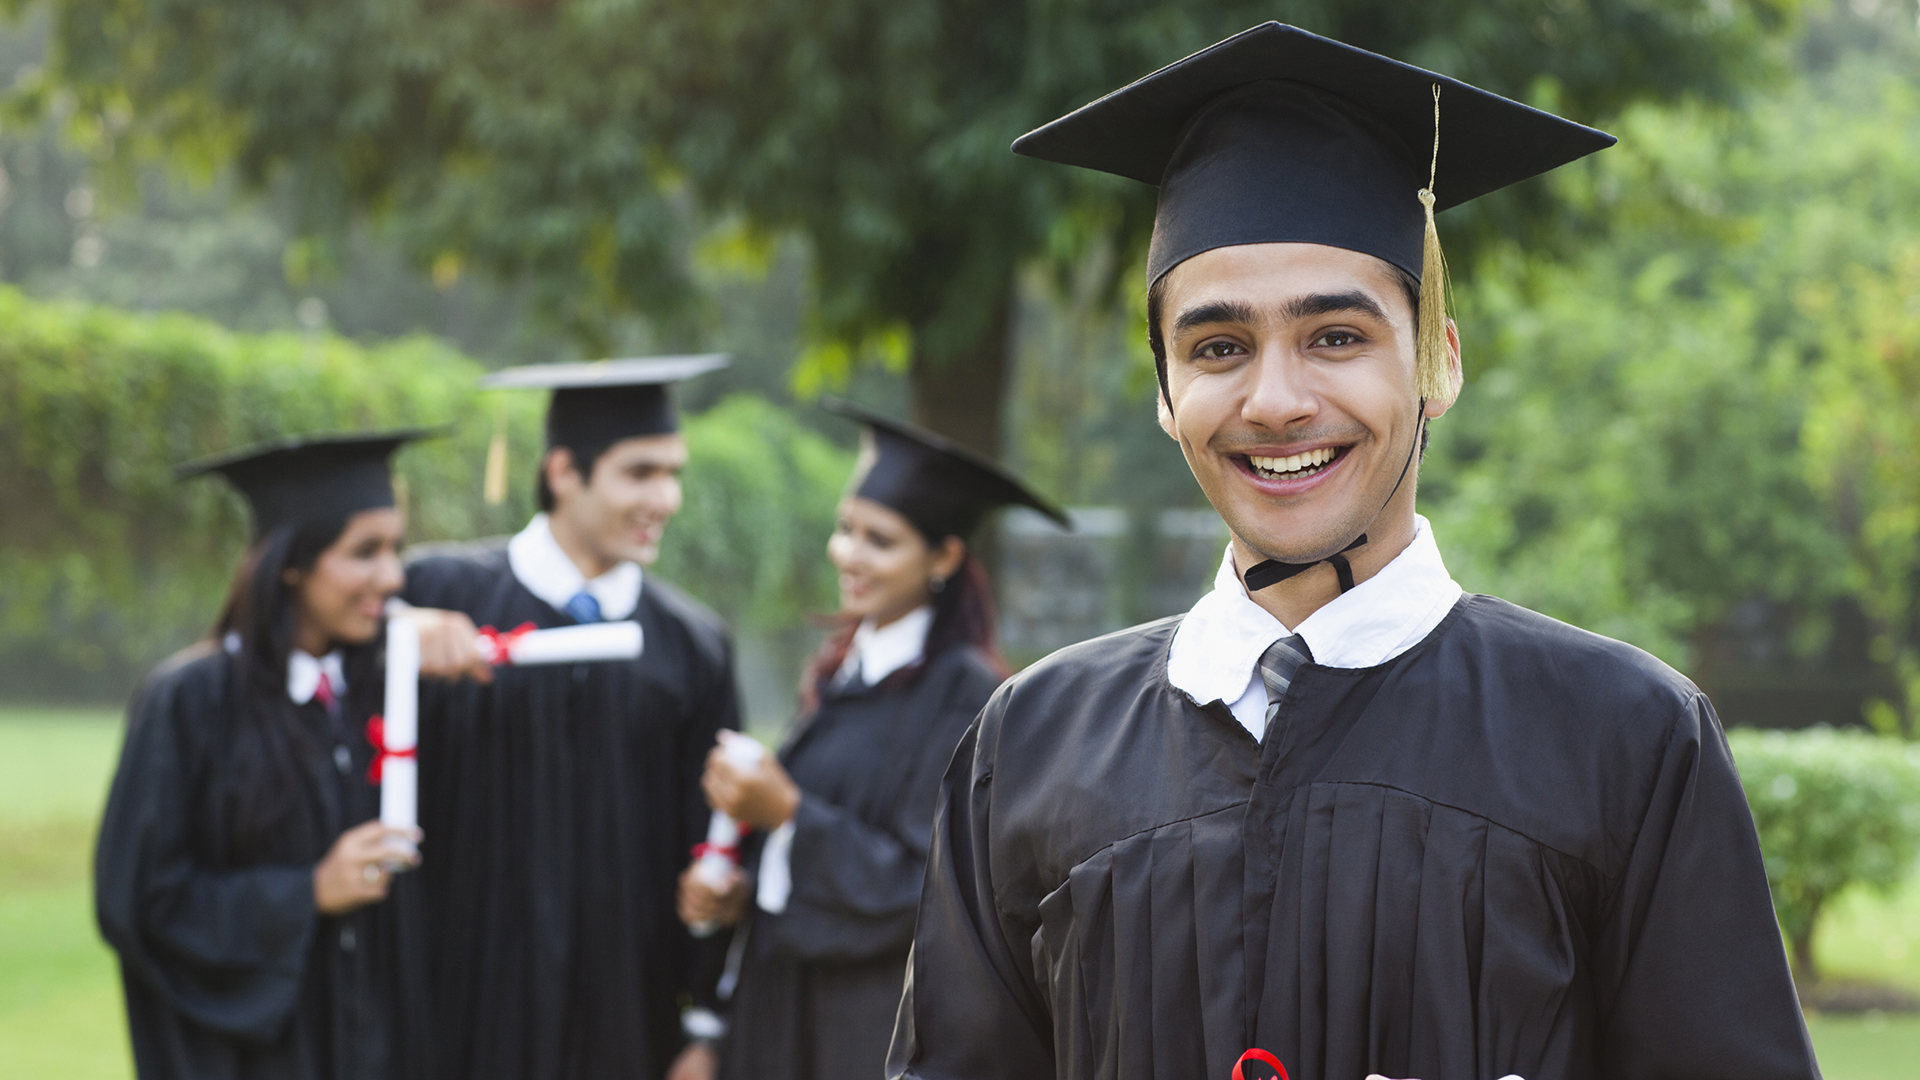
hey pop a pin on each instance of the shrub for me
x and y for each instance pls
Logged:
(1834, 808)
(107, 564)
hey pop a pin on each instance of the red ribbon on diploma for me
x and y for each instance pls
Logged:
(496, 646)
(730, 851)
(377, 735)
(1261, 1056)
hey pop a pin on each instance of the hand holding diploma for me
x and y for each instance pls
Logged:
(449, 645)
(359, 867)
(752, 789)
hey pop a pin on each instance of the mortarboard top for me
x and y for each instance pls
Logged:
(1280, 135)
(943, 488)
(310, 478)
(600, 402)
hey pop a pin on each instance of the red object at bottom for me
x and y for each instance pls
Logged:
(1261, 1056)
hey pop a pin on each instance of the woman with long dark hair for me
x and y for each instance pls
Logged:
(242, 873)
(844, 814)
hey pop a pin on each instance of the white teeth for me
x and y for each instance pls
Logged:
(1294, 463)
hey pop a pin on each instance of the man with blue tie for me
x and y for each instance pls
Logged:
(564, 801)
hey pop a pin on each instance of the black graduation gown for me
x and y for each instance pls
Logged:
(1516, 848)
(820, 983)
(229, 970)
(560, 804)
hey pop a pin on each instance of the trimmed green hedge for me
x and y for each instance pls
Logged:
(107, 564)
(1834, 809)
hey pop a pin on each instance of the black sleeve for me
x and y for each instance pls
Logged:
(1694, 980)
(971, 1010)
(856, 885)
(226, 948)
(721, 711)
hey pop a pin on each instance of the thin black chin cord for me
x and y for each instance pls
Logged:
(1273, 571)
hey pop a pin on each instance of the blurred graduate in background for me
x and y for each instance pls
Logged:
(567, 798)
(844, 815)
(242, 873)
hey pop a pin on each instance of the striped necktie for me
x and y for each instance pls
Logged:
(1277, 666)
(583, 607)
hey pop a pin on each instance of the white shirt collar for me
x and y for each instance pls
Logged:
(544, 567)
(1218, 644)
(878, 653)
(303, 675)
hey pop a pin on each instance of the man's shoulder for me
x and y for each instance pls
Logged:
(1102, 676)
(1536, 650)
(1123, 656)
(701, 622)
(453, 568)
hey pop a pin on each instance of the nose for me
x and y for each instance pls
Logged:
(391, 576)
(1280, 393)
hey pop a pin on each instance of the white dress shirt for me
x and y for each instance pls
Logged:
(544, 567)
(1217, 649)
(303, 675)
(876, 653)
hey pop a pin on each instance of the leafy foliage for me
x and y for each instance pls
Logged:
(1719, 402)
(582, 144)
(760, 495)
(107, 563)
(1834, 809)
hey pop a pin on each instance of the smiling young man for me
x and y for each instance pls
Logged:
(1340, 813)
(565, 800)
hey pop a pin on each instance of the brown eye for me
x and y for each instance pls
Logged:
(1217, 350)
(1337, 339)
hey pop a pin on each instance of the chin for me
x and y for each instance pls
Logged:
(357, 630)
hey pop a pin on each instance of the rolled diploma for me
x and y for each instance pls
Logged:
(714, 865)
(578, 644)
(400, 776)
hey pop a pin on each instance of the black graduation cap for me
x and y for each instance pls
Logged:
(310, 478)
(1280, 135)
(943, 488)
(603, 401)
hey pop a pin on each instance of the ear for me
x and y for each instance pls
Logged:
(1163, 411)
(563, 476)
(948, 557)
(1456, 375)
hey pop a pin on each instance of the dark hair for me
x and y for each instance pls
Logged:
(265, 774)
(1157, 303)
(963, 616)
(584, 460)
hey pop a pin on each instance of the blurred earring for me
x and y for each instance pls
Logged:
(936, 585)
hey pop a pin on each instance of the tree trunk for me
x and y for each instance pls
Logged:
(1804, 974)
(962, 394)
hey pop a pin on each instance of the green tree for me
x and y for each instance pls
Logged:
(1718, 404)
(582, 144)
(1834, 809)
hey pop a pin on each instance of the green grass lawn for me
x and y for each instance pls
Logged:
(60, 1012)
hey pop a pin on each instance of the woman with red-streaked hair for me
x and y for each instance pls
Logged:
(844, 815)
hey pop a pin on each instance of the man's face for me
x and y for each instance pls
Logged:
(622, 510)
(1290, 369)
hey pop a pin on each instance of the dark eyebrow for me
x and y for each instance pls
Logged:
(1218, 311)
(1300, 307)
(1306, 307)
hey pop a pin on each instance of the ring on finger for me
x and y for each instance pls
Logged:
(370, 873)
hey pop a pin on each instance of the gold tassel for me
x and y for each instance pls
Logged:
(494, 489)
(1431, 345)
(402, 497)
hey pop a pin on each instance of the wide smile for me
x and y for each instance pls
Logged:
(1294, 472)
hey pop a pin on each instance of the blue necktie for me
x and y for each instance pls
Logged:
(583, 607)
